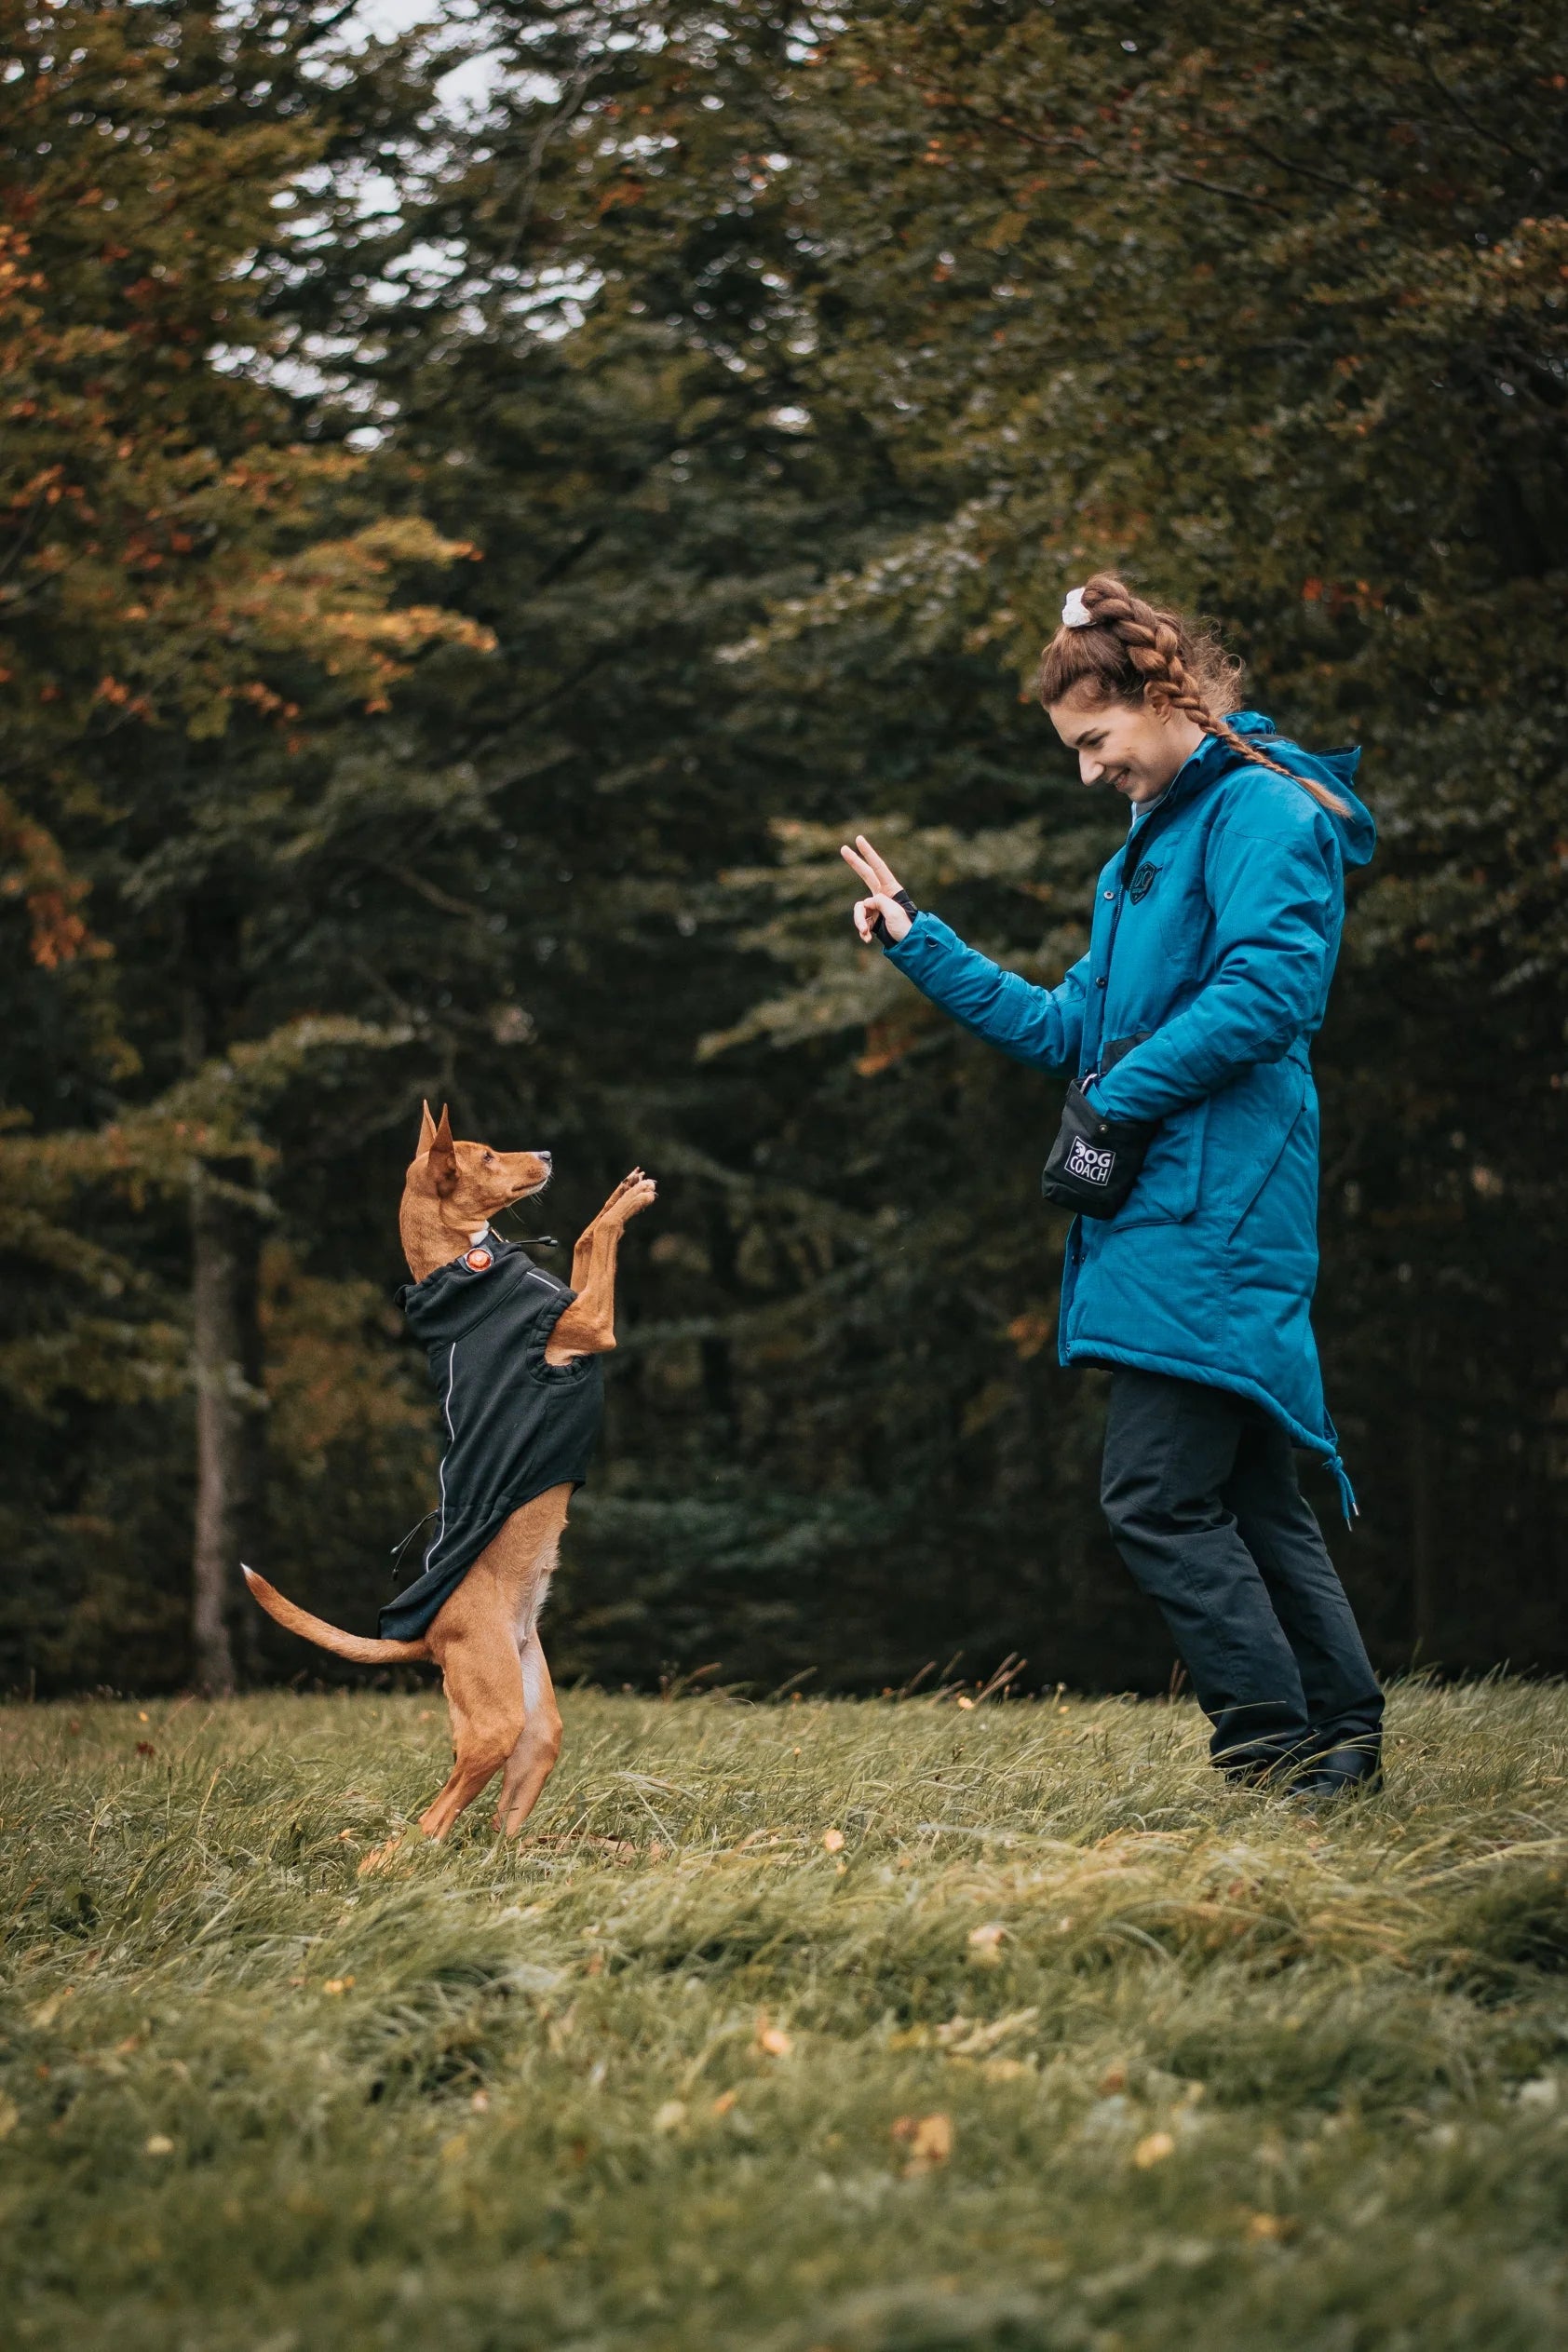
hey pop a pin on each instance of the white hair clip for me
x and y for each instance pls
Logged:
(1075, 613)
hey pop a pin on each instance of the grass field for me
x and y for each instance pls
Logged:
(806, 2028)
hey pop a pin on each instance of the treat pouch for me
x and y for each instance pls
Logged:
(1094, 1162)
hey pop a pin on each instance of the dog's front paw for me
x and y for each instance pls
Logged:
(633, 1194)
(639, 1193)
(620, 1192)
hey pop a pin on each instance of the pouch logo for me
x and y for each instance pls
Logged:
(1085, 1161)
(1142, 882)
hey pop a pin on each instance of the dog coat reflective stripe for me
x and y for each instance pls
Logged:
(513, 1425)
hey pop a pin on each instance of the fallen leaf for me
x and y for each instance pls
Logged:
(984, 1944)
(670, 2116)
(1153, 2149)
(967, 1705)
(143, 1716)
(1112, 2080)
(725, 2101)
(145, 1748)
(965, 2039)
(833, 1840)
(160, 2144)
(1263, 2228)
(337, 1984)
(46, 2011)
(927, 2138)
(481, 2103)
(774, 2040)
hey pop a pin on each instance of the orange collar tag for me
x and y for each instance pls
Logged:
(479, 1259)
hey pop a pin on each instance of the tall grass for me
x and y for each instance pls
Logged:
(807, 2028)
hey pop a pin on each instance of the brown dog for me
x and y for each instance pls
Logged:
(485, 1635)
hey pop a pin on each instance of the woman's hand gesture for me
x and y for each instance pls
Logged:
(883, 884)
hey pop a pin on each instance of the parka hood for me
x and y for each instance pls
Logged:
(1357, 827)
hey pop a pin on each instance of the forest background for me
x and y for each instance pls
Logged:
(488, 505)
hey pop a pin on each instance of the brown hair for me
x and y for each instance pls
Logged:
(1132, 651)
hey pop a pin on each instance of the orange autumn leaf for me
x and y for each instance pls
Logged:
(927, 2138)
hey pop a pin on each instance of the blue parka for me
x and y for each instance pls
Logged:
(1215, 934)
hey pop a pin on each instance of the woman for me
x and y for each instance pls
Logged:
(1214, 942)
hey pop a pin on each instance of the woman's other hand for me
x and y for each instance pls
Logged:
(883, 884)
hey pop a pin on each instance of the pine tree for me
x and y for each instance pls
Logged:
(198, 604)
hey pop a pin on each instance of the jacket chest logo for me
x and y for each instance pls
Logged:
(1142, 882)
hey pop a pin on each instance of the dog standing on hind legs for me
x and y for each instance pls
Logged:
(514, 1354)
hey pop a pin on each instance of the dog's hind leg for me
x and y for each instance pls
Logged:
(533, 1758)
(474, 1641)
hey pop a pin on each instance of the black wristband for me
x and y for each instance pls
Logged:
(880, 932)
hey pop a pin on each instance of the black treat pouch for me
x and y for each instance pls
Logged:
(1094, 1162)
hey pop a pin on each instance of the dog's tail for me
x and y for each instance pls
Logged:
(329, 1636)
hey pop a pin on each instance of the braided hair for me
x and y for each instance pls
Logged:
(1132, 651)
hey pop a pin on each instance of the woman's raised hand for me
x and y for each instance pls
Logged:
(882, 883)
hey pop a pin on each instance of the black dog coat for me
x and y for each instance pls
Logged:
(514, 1423)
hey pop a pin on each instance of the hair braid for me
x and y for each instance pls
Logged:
(1145, 653)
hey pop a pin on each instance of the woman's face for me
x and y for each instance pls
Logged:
(1127, 745)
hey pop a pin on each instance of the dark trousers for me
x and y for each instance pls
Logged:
(1199, 1487)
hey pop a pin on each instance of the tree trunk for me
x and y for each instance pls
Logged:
(230, 1405)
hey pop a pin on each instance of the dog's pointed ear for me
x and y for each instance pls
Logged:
(443, 1156)
(426, 1131)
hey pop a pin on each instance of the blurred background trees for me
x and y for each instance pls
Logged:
(488, 504)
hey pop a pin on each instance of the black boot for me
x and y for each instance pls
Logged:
(1276, 1771)
(1352, 1769)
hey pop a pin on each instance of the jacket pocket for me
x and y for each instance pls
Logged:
(1167, 1189)
(1255, 1127)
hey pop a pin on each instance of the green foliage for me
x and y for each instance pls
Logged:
(780, 372)
(657, 2074)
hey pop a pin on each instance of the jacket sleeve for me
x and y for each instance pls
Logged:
(1043, 1026)
(1275, 897)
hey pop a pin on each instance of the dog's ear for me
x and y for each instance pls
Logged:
(443, 1157)
(426, 1131)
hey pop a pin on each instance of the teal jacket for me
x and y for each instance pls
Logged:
(1215, 934)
